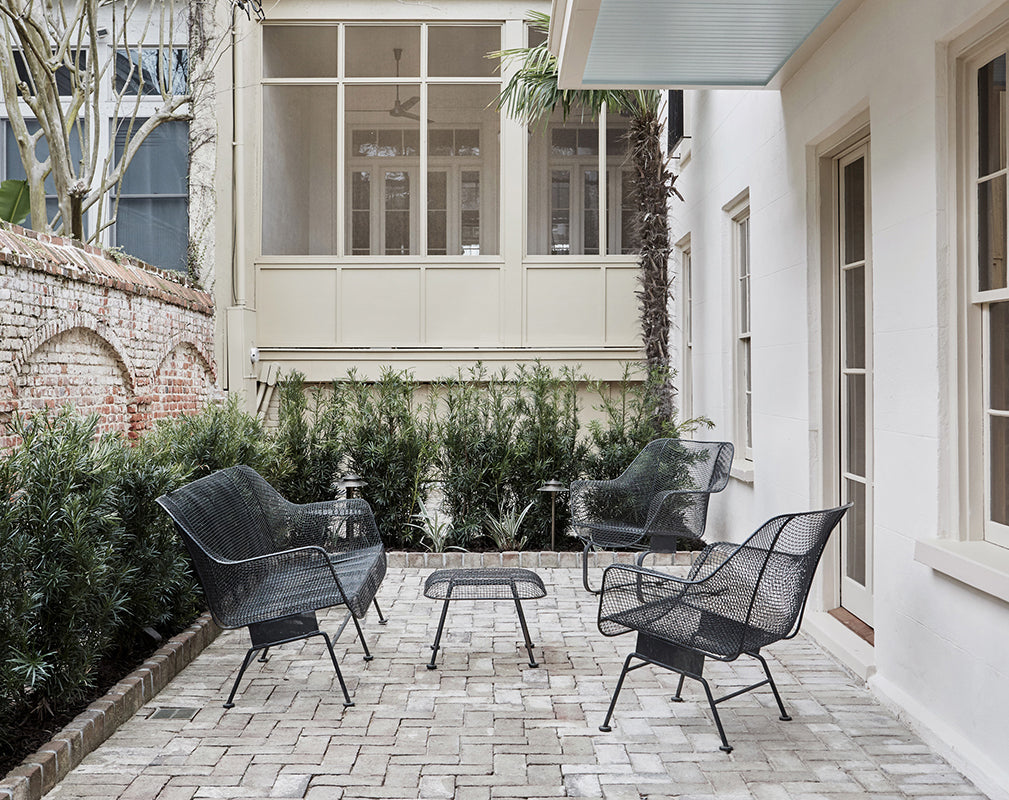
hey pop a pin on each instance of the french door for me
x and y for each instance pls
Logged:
(854, 262)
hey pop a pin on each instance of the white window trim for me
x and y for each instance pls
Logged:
(960, 552)
(492, 224)
(738, 211)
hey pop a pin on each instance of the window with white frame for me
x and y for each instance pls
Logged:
(386, 132)
(743, 382)
(580, 185)
(988, 294)
(153, 221)
(152, 216)
(13, 169)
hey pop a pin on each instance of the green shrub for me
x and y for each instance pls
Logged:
(630, 424)
(476, 431)
(389, 442)
(308, 447)
(547, 446)
(159, 586)
(63, 597)
(220, 436)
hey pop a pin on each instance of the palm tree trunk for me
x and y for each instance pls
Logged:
(653, 187)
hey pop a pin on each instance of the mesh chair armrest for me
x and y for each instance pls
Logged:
(633, 597)
(295, 578)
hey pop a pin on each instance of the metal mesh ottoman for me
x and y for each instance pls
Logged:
(484, 584)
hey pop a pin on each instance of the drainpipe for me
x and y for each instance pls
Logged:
(242, 373)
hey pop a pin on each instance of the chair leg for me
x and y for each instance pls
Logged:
(585, 570)
(381, 619)
(525, 629)
(605, 727)
(339, 675)
(678, 698)
(726, 747)
(266, 655)
(360, 635)
(781, 706)
(245, 665)
(437, 636)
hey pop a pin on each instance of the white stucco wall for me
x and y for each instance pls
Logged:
(942, 648)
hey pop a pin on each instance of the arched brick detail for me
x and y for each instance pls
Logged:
(181, 384)
(201, 349)
(77, 327)
(79, 319)
(79, 367)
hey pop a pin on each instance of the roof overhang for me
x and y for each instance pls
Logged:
(632, 44)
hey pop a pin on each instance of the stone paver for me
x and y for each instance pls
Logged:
(486, 726)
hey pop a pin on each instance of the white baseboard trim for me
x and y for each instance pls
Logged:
(846, 646)
(962, 754)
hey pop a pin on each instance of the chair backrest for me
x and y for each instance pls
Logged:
(681, 464)
(763, 583)
(678, 464)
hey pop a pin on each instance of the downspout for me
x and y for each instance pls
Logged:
(237, 273)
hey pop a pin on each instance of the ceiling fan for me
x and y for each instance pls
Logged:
(402, 109)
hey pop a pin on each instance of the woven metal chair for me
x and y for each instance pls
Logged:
(269, 565)
(737, 599)
(660, 498)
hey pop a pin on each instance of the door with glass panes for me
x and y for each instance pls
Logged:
(854, 264)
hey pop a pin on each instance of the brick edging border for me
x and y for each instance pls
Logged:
(529, 559)
(40, 772)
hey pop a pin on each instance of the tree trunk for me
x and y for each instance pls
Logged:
(653, 187)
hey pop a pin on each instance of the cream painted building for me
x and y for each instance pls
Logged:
(842, 308)
(375, 209)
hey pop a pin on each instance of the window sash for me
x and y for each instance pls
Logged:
(744, 348)
(988, 232)
(414, 80)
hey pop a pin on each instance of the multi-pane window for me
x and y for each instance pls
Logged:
(989, 294)
(743, 376)
(14, 169)
(65, 81)
(152, 219)
(407, 164)
(570, 163)
(152, 222)
(152, 70)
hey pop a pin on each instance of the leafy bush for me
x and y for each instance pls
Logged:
(476, 431)
(504, 528)
(85, 562)
(308, 446)
(220, 436)
(547, 446)
(389, 442)
(630, 424)
(158, 583)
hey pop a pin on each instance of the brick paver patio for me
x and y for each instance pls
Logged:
(485, 725)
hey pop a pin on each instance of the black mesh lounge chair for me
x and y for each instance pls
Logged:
(660, 498)
(736, 599)
(268, 564)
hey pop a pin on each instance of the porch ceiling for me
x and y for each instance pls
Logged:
(686, 43)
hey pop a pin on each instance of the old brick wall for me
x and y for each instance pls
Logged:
(119, 338)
